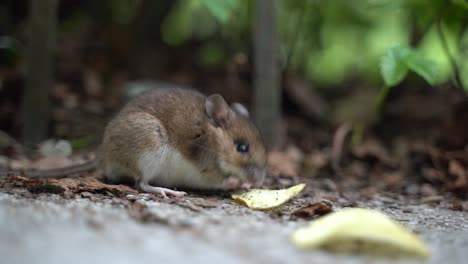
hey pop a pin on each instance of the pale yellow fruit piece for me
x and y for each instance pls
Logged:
(360, 231)
(268, 199)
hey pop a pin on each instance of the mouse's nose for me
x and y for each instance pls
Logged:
(256, 175)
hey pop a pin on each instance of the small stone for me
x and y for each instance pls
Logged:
(329, 185)
(407, 210)
(432, 199)
(86, 194)
(427, 190)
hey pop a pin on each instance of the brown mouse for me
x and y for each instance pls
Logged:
(179, 138)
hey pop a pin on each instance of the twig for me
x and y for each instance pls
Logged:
(338, 144)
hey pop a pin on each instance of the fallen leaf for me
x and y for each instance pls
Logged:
(312, 211)
(46, 188)
(85, 186)
(360, 231)
(373, 149)
(315, 161)
(392, 179)
(268, 199)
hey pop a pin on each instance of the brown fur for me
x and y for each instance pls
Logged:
(178, 117)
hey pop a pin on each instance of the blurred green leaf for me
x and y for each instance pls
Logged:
(177, 26)
(462, 3)
(393, 66)
(80, 143)
(425, 68)
(398, 60)
(221, 9)
(194, 19)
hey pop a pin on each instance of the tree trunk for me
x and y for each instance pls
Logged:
(267, 101)
(40, 53)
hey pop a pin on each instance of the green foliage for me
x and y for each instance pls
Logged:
(341, 39)
(221, 9)
(393, 67)
(176, 28)
(200, 19)
(399, 60)
(329, 42)
(425, 68)
(80, 143)
(461, 3)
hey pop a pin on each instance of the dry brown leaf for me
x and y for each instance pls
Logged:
(312, 211)
(392, 179)
(372, 148)
(78, 185)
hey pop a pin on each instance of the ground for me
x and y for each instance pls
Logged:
(129, 227)
(83, 220)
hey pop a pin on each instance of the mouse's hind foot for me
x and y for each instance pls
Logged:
(144, 186)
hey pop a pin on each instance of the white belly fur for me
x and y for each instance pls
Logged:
(166, 167)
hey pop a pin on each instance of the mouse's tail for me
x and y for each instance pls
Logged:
(72, 171)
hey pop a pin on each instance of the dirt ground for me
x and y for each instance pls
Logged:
(199, 228)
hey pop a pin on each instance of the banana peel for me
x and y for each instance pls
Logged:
(267, 199)
(360, 231)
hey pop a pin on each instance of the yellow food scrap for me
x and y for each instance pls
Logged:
(364, 231)
(267, 199)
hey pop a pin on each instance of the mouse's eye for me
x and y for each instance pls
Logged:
(242, 147)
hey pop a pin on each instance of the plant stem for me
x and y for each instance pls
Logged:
(381, 99)
(358, 132)
(457, 79)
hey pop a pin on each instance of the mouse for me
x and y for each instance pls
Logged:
(169, 139)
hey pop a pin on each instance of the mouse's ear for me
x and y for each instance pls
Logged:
(240, 109)
(217, 111)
